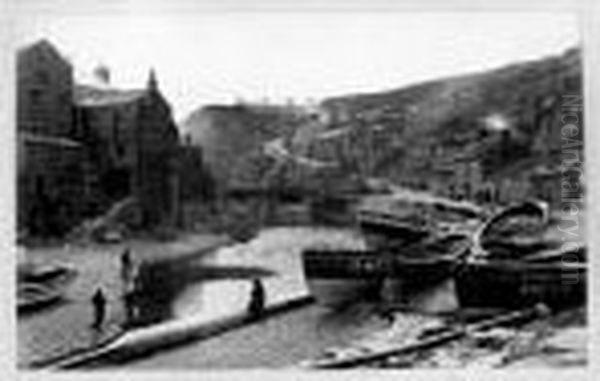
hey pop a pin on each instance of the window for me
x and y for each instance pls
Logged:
(35, 96)
(117, 141)
(40, 185)
(120, 150)
(42, 77)
(65, 98)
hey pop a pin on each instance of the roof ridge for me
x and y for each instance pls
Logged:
(45, 44)
(89, 95)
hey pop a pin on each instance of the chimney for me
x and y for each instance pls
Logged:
(152, 82)
(102, 75)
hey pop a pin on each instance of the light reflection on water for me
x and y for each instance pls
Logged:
(219, 283)
(212, 299)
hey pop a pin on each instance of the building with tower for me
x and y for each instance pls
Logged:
(135, 131)
(82, 148)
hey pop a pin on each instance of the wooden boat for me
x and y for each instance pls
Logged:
(513, 284)
(382, 232)
(429, 261)
(42, 286)
(338, 277)
(406, 218)
(31, 296)
(419, 275)
(413, 242)
(511, 266)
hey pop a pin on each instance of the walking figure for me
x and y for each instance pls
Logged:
(257, 299)
(99, 304)
(126, 265)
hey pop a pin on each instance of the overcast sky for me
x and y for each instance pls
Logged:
(204, 56)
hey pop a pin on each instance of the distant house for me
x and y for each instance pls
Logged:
(459, 176)
(81, 146)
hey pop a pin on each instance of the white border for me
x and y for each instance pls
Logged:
(589, 11)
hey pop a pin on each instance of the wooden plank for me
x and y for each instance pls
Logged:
(428, 342)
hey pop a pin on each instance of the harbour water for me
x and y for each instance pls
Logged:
(283, 341)
(219, 283)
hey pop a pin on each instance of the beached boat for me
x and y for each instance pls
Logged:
(519, 258)
(514, 284)
(413, 240)
(337, 277)
(39, 286)
(423, 238)
(419, 276)
(428, 262)
(406, 218)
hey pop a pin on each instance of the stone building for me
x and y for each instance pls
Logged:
(49, 182)
(135, 132)
(49, 173)
(83, 148)
(45, 88)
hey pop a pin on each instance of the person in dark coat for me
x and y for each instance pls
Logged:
(257, 299)
(99, 304)
(126, 265)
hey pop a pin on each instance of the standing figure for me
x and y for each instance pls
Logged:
(131, 294)
(130, 300)
(257, 299)
(99, 304)
(126, 265)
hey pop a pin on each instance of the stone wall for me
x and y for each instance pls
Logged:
(83, 148)
(50, 184)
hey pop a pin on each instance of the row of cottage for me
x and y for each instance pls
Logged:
(82, 148)
(460, 175)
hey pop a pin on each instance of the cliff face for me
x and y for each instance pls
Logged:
(507, 122)
(426, 126)
(501, 127)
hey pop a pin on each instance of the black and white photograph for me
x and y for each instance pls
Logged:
(315, 189)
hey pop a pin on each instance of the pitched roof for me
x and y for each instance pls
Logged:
(85, 95)
(44, 46)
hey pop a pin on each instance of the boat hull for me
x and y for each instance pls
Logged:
(419, 273)
(516, 284)
(424, 284)
(337, 293)
(337, 277)
(42, 287)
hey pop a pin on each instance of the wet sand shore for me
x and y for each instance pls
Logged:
(64, 327)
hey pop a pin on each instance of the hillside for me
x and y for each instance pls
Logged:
(505, 122)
